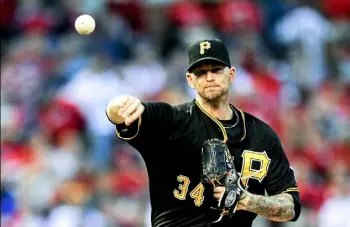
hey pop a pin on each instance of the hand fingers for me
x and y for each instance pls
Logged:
(115, 104)
(219, 189)
(128, 101)
(123, 100)
(218, 192)
(132, 107)
(217, 196)
(135, 115)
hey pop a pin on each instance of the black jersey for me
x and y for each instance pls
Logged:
(170, 139)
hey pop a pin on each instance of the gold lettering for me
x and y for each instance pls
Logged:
(197, 194)
(248, 172)
(204, 46)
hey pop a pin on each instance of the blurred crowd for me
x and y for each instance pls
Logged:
(63, 166)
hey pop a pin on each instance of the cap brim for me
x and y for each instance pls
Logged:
(207, 58)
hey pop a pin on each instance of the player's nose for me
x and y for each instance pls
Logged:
(210, 76)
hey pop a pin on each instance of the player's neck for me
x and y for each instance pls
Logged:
(220, 110)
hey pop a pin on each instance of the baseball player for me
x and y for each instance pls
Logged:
(171, 140)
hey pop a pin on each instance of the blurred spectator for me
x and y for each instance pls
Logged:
(306, 42)
(335, 209)
(90, 90)
(338, 10)
(60, 119)
(145, 72)
(8, 205)
(186, 21)
(7, 13)
(133, 12)
(237, 17)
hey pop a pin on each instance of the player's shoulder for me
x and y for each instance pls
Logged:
(185, 107)
(262, 133)
(179, 107)
(260, 127)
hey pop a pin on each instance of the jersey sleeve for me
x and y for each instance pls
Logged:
(158, 122)
(280, 177)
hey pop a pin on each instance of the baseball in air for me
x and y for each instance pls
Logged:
(85, 24)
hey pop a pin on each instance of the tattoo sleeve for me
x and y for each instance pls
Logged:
(279, 208)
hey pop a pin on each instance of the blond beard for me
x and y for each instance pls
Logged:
(216, 102)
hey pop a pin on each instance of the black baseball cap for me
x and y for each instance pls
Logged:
(208, 49)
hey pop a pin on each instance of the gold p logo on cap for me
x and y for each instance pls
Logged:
(204, 46)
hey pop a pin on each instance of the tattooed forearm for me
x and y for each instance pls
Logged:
(278, 208)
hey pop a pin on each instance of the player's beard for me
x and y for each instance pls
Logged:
(217, 98)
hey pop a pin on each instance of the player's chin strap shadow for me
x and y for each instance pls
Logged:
(240, 186)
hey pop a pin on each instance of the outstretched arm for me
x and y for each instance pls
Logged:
(142, 122)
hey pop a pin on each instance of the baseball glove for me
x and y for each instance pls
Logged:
(218, 170)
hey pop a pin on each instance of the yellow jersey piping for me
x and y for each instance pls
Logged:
(130, 138)
(223, 130)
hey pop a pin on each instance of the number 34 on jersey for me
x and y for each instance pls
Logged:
(249, 157)
(197, 194)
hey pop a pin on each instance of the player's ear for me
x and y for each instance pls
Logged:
(232, 74)
(189, 78)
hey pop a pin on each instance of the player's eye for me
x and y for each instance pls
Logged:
(202, 72)
(217, 70)
(199, 72)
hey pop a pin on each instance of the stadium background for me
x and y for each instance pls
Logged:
(62, 165)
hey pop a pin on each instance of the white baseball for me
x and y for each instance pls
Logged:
(85, 24)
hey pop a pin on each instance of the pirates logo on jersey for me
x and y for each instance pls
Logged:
(255, 166)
